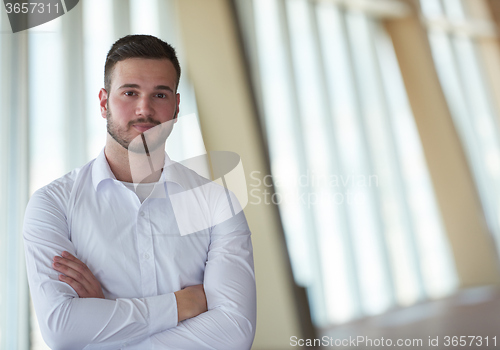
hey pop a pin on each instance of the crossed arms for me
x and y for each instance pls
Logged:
(191, 301)
(70, 320)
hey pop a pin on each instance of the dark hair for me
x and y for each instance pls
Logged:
(139, 46)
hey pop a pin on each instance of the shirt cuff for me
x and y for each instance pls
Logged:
(162, 312)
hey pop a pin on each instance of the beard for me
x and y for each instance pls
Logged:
(146, 142)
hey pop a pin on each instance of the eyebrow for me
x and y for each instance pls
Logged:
(157, 87)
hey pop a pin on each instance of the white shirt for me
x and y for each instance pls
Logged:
(141, 253)
(142, 190)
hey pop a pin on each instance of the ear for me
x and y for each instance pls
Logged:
(103, 102)
(178, 103)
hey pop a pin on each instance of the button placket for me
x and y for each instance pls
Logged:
(145, 247)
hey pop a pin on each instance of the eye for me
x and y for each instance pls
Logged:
(129, 93)
(161, 95)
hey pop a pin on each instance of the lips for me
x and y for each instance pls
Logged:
(143, 127)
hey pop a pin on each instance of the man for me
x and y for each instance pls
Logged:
(132, 250)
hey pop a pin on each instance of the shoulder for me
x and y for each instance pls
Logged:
(58, 193)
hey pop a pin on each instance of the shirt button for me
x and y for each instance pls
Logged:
(141, 213)
(146, 256)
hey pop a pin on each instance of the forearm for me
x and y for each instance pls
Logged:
(215, 329)
(191, 301)
(77, 322)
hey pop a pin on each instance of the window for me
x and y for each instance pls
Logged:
(361, 222)
(453, 35)
(14, 186)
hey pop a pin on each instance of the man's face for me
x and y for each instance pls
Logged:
(142, 96)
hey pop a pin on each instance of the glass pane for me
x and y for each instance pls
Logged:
(144, 17)
(46, 115)
(341, 280)
(433, 252)
(285, 144)
(484, 126)
(317, 128)
(97, 39)
(375, 283)
(431, 8)
(454, 10)
(3, 181)
(469, 102)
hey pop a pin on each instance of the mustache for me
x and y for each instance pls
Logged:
(143, 120)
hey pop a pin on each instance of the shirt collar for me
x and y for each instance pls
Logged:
(101, 171)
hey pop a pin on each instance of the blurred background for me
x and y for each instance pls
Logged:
(369, 135)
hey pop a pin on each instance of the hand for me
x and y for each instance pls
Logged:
(191, 301)
(78, 276)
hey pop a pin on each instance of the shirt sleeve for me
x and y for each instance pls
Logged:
(229, 284)
(67, 321)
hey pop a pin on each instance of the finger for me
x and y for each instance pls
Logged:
(71, 264)
(71, 270)
(77, 286)
(84, 268)
(67, 255)
(78, 271)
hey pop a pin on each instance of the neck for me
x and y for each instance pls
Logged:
(134, 167)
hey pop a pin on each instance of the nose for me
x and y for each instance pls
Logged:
(144, 107)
